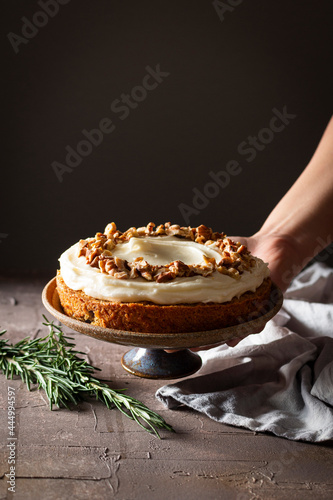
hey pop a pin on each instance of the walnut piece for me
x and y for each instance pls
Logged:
(235, 258)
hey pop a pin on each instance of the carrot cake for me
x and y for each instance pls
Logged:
(163, 279)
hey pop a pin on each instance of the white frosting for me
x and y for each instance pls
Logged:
(159, 250)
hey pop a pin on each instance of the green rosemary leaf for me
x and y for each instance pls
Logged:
(52, 363)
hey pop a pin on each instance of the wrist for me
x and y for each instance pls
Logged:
(303, 245)
(283, 254)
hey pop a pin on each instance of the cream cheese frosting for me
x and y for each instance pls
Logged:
(164, 249)
(217, 287)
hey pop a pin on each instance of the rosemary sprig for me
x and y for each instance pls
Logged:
(53, 364)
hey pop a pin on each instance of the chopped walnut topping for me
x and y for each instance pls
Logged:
(110, 229)
(235, 258)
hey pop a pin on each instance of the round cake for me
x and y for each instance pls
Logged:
(164, 279)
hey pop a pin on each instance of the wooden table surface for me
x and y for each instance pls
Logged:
(91, 452)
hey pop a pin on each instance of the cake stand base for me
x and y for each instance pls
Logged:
(159, 364)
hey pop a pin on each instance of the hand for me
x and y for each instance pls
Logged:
(280, 252)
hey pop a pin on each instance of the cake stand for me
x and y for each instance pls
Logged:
(149, 357)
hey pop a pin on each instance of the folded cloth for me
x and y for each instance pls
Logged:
(280, 380)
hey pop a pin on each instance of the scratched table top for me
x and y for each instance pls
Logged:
(92, 452)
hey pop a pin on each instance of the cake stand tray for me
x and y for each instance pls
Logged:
(149, 359)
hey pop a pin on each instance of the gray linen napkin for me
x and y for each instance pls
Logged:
(280, 380)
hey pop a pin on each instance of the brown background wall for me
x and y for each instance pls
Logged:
(227, 71)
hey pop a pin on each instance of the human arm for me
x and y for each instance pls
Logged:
(301, 224)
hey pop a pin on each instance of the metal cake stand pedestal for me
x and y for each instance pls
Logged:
(149, 357)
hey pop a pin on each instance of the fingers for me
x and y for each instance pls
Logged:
(231, 343)
(205, 347)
